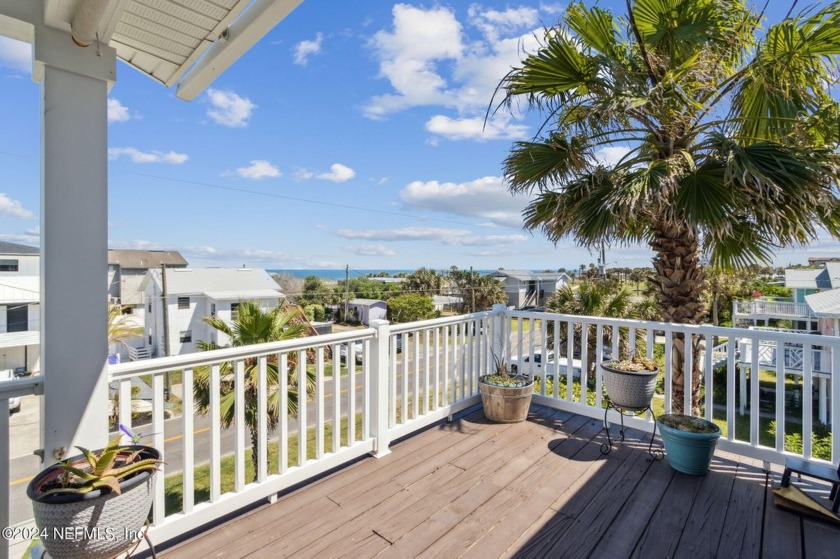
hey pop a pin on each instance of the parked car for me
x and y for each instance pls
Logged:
(358, 350)
(535, 366)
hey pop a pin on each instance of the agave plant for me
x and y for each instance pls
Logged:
(113, 464)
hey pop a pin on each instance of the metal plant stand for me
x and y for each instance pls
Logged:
(606, 448)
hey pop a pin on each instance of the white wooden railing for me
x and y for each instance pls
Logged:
(409, 376)
(764, 308)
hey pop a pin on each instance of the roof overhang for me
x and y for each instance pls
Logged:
(171, 41)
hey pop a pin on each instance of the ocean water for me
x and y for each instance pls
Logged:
(337, 274)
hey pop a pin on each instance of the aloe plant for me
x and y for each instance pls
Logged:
(113, 464)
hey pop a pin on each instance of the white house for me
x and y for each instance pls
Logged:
(366, 310)
(526, 288)
(192, 294)
(20, 314)
(127, 270)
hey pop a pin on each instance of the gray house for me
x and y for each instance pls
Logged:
(366, 310)
(525, 288)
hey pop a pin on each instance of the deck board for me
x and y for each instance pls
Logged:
(476, 489)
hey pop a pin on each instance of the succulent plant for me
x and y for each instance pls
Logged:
(103, 471)
(635, 365)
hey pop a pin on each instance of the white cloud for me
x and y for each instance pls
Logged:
(370, 250)
(305, 49)
(485, 197)
(229, 109)
(338, 173)
(430, 58)
(13, 208)
(485, 240)
(117, 112)
(475, 128)
(153, 156)
(258, 169)
(302, 174)
(15, 54)
(402, 234)
(611, 155)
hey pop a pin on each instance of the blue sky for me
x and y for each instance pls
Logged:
(351, 134)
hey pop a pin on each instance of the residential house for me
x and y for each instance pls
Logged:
(525, 288)
(127, 270)
(192, 294)
(366, 310)
(20, 313)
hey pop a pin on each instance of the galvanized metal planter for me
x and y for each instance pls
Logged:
(505, 404)
(94, 525)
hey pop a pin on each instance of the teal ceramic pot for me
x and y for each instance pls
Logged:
(689, 442)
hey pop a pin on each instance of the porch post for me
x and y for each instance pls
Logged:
(379, 388)
(74, 240)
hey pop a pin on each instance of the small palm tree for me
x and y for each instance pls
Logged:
(592, 298)
(252, 325)
(119, 329)
(729, 132)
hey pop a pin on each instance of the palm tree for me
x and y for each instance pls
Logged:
(252, 326)
(591, 298)
(119, 326)
(729, 139)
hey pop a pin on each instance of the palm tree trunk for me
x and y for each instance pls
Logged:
(255, 452)
(679, 280)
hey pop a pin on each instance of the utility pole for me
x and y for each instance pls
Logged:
(472, 290)
(166, 347)
(602, 262)
(346, 290)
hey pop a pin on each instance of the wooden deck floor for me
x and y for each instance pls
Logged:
(536, 489)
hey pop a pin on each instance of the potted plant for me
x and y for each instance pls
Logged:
(630, 383)
(506, 398)
(689, 442)
(94, 505)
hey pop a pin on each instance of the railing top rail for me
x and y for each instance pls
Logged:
(695, 329)
(134, 368)
(21, 387)
(434, 322)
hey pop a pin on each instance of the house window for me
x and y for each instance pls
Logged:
(186, 336)
(233, 308)
(183, 302)
(212, 309)
(8, 265)
(17, 318)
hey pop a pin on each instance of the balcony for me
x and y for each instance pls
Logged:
(370, 460)
(763, 309)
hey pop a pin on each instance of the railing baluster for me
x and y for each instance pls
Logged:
(731, 373)
(807, 402)
(584, 362)
(669, 353)
(754, 394)
(124, 411)
(570, 354)
(5, 475)
(215, 434)
(780, 396)
(303, 396)
(437, 369)
(319, 403)
(336, 411)
(688, 374)
(649, 339)
(599, 356)
(392, 385)
(556, 371)
(709, 377)
(448, 397)
(283, 430)
(159, 507)
(239, 407)
(262, 418)
(835, 408)
(405, 357)
(456, 364)
(416, 370)
(631, 341)
(366, 388)
(351, 399)
(616, 335)
(189, 445)
(426, 372)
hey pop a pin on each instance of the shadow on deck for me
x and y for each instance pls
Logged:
(477, 489)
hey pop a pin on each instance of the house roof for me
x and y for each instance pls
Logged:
(808, 278)
(528, 275)
(825, 304)
(20, 289)
(145, 258)
(14, 248)
(365, 302)
(231, 283)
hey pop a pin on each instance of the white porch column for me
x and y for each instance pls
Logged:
(74, 240)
